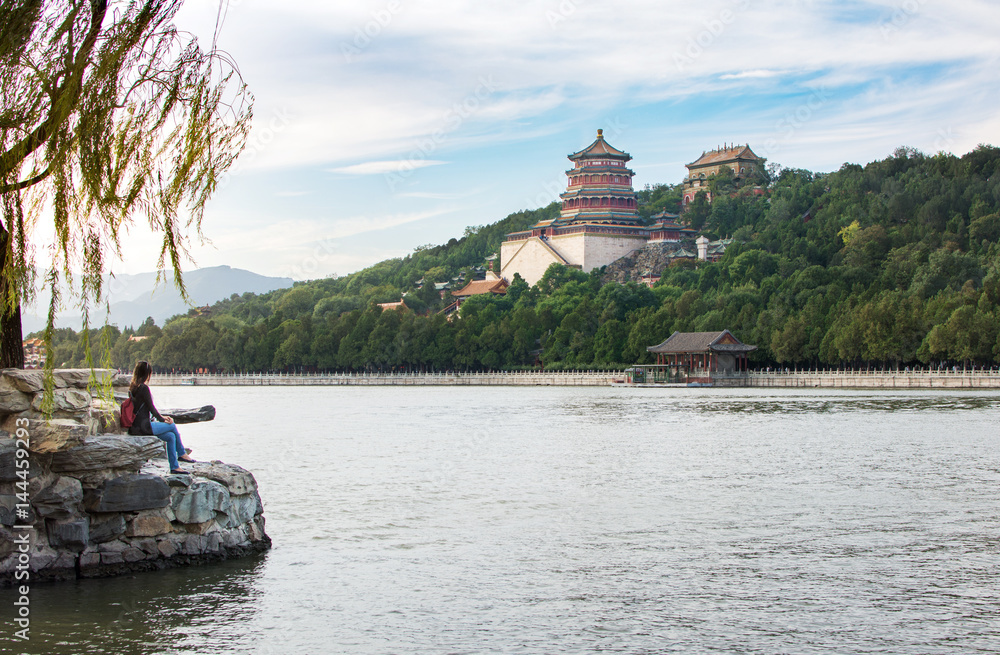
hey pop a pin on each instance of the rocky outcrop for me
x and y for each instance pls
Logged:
(652, 259)
(97, 506)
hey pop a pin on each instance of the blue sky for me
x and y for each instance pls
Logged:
(382, 126)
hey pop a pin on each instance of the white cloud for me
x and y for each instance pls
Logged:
(758, 74)
(382, 167)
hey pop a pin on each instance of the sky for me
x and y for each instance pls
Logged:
(383, 126)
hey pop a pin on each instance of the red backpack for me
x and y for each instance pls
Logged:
(128, 412)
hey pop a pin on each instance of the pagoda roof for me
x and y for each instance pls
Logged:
(479, 287)
(722, 155)
(667, 224)
(700, 342)
(600, 148)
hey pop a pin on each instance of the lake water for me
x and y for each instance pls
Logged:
(579, 520)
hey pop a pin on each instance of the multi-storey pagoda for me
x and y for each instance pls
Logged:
(600, 186)
(598, 224)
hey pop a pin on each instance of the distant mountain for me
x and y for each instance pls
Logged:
(135, 297)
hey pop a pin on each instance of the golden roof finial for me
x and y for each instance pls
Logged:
(600, 133)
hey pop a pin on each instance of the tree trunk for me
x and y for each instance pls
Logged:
(11, 350)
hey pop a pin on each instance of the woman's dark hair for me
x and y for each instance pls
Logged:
(142, 372)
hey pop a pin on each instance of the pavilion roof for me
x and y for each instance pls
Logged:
(600, 148)
(723, 155)
(478, 287)
(701, 342)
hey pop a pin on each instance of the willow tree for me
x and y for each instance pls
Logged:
(111, 120)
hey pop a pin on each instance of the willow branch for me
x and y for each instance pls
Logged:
(24, 184)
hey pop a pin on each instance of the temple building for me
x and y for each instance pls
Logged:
(598, 224)
(666, 228)
(492, 284)
(740, 159)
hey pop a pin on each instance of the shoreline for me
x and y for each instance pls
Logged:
(826, 380)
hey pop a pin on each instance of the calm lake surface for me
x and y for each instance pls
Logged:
(579, 520)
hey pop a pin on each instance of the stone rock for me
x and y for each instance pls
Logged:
(242, 509)
(95, 479)
(179, 480)
(112, 558)
(112, 547)
(214, 542)
(8, 462)
(167, 548)
(13, 401)
(133, 554)
(106, 451)
(255, 529)
(652, 258)
(203, 528)
(72, 534)
(24, 380)
(106, 417)
(59, 500)
(80, 377)
(200, 502)
(89, 560)
(8, 511)
(67, 561)
(148, 526)
(235, 537)
(105, 527)
(238, 480)
(37, 485)
(6, 542)
(42, 558)
(182, 416)
(164, 512)
(147, 546)
(51, 436)
(194, 544)
(69, 401)
(128, 493)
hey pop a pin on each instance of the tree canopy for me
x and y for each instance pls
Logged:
(110, 118)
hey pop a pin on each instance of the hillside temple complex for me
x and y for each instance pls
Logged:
(741, 160)
(599, 221)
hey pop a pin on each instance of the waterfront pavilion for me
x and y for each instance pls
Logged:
(696, 356)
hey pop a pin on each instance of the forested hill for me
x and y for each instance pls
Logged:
(893, 262)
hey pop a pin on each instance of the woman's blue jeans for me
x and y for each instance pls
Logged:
(168, 432)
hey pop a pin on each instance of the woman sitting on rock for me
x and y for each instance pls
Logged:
(162, 428)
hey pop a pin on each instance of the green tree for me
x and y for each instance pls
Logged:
(696, 213)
